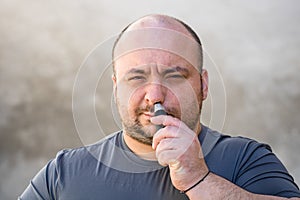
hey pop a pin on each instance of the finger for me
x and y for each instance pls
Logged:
(167, 157)
(166, 120)
(172, 144)
(167, 132)
(172, 132)
(167, 144)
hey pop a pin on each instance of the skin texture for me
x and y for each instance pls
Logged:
(146, 76)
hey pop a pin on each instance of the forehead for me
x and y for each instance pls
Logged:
(158, 38)
(156, 45)
(147, 58)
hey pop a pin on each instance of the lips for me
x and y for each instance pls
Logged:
(147, 115)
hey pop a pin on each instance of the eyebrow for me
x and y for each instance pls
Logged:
(164, 72)
(136, 71)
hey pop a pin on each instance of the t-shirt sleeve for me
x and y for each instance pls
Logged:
(260, 171)
(43, 185)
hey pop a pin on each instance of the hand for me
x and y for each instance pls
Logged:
(178, 147)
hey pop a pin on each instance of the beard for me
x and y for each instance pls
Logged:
(138, 132)
(144, 133)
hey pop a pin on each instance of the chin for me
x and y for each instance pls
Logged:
(150, 130)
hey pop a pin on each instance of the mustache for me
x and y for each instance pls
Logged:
(169, 110)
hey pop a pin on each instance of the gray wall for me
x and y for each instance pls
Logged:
(254, 45)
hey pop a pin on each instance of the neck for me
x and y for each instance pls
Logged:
(142, 150)
(145, 151)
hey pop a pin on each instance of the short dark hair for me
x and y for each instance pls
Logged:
(188, 28)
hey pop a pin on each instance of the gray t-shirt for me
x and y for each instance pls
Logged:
(109, 170)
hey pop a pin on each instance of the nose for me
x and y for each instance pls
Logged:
(155, 93)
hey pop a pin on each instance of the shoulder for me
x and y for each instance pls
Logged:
(251, 165)
(233, 145)
(242, 143)
(245, 151)
(67, 169)
(88, 153)
(237, 154)
(112, 138)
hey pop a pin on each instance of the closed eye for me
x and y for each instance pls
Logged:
(176, 73)
(175, 76)
(133, 78)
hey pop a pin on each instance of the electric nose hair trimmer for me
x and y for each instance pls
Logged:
(159, 110)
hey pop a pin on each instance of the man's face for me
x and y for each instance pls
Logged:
(147, 76)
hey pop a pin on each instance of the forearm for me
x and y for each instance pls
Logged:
(215, 187)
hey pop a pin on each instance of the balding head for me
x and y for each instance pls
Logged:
(161, 23)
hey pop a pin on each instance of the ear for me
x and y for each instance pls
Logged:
(114, 79)
(204, 77)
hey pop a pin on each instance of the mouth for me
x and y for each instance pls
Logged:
(148, 113)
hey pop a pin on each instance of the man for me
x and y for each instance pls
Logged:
(158, 59)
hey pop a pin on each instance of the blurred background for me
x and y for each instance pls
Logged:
(255, 45)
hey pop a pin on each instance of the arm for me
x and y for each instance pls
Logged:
(37, 189)
(178, 147)
(43, 185)
(216, 187)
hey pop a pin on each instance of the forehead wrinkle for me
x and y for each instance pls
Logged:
(143, 69)
(136, 71)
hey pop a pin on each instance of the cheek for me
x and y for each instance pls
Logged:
(128, 97)
(189, 103)
(187, 93)
(173, 98)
